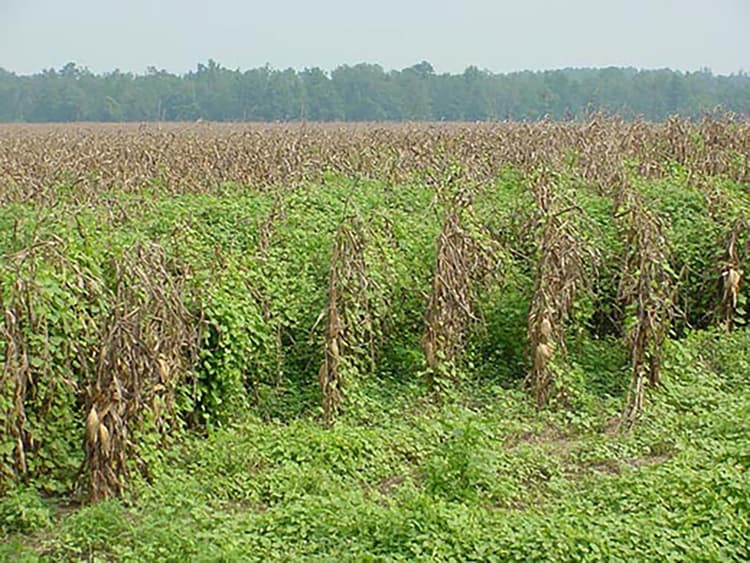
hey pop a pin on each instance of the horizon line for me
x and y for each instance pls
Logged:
(153, 69)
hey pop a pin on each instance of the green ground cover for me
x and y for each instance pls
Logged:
(230, 458)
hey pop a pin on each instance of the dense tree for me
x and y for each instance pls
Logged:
(322, 101)
(364, 92)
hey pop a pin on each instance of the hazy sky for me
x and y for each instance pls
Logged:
(500, 36)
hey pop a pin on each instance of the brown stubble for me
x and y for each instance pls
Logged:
(91, 159)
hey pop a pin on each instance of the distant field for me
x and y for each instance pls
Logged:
(507, 341)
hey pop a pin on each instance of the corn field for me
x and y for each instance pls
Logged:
(202, 156)
(158, 279)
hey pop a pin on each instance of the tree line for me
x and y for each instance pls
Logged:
(364, 92)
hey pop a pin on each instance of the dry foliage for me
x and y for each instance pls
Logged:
(350, 325)
(647, 291)
(148, 346)
(466, 256)
(91, 158)
(133, 353)
(29, 341)
(732, 275)
(564, 268)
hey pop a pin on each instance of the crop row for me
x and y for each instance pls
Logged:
(144, 297)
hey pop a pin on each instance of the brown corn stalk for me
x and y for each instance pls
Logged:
(34, 374)
(466, 256)
(732, 275)
(562, 271)
(93, 159)
(647, 290)
(350, 331)
(149, 344)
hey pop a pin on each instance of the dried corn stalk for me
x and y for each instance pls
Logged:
(466, 256)
(94, 158)
(149, 343)
(350, 326)
(647, 292)
(563, 269)
(732, 275)
(35, 373)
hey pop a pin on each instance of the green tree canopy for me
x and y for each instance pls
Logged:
(364, 92)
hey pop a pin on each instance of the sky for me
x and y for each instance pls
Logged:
(499, 36)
